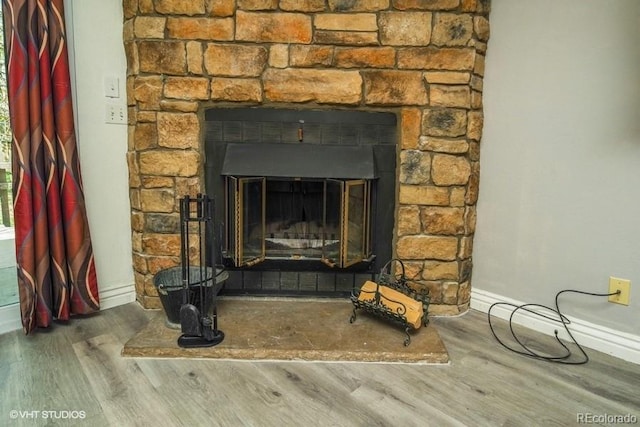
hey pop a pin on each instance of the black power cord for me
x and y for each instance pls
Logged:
(555, 316)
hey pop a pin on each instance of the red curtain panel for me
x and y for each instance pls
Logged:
(55, 263)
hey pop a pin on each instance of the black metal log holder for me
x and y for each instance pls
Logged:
(200, 279)
(379, 304)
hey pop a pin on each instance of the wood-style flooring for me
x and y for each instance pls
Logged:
(76, 370)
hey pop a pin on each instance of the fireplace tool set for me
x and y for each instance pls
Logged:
(201, 280)
(390, 297)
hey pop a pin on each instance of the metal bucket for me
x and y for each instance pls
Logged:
(169, 285)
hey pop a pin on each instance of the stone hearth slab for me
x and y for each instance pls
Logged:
(294, 329)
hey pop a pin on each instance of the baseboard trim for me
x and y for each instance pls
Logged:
(10, 318)
(590, 335)
(123, 294)
(114, 297)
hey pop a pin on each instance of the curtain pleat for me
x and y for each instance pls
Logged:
(56, 269)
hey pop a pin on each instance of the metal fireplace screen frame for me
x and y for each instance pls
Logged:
(341, 239)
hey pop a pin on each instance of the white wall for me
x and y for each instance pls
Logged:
(97, 51)
(559, 203)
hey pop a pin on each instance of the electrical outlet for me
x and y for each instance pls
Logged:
(116, 113)
(622, 285)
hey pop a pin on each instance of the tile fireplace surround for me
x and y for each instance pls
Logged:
(422, 60)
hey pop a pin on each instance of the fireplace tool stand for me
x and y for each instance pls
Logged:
(201, 280)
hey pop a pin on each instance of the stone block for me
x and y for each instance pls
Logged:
(451, 29)
(475, 124)
(180, 7)
(426, 4)
(448, 77)
(442, 248)
(279, 56)
(257, 4)
(238, 90)
(137, 221)
(481, 27)
(221, 7)
(394, 88)
(405, 28)
(466, 247)
(458, 195)
(474, 184)
(434, 58)
(478, 68)
(440, 270)
(476, 99)
(302, 6)
(131, 54)
(161, 244)
(408, 220)
(147, 90)
(273, 27)
(470, 217)
(310, 56)
(469, 5)
(410, 128)
(189, 186)
(134, 173)
(136, 241)
(170, 162)
(145, 136)
(464, 294)
(157, 181)
(200, 28)
(146, 6)
(158, 263)
(313, 85)
(365, 57)
(415, 167)
(162, 223)
(346, 22)
(186, 88)
(413, 269)
(449, 96)
(162, 57)
(178, 105)
(465, 269)
(157, 200)
(129, 8)
(149, 27)
(235, 60)
(441, 145)
(423, 195)
(178, 130)
(449, 292)
(442, 220)
(134, 199)
(356, 38)
(358, 5)
(450, 170)
(195, 58)
(448, 122)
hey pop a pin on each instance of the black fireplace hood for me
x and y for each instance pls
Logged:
(301, 160)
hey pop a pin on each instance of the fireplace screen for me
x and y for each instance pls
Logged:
(298, 219)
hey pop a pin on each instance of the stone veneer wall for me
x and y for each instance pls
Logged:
(423, 59)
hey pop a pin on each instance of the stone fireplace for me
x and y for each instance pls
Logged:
(420, 61)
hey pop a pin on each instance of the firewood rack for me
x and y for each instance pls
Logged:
(379, 304)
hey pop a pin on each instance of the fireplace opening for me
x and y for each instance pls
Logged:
(305, 197)
(295, 219)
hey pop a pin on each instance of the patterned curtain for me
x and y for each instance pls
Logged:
(56, 270)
